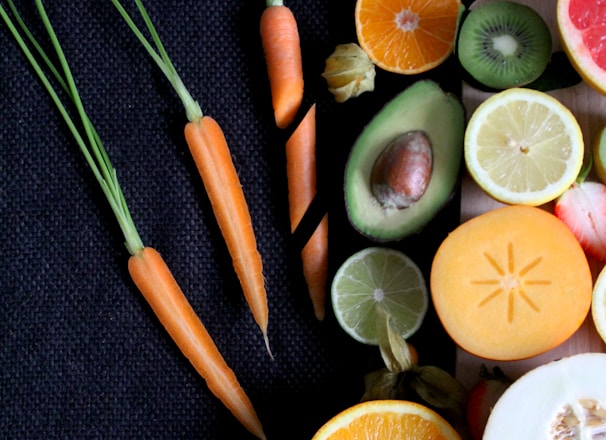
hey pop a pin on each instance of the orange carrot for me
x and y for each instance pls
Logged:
(146, 267)
(155, 281)
(301, 174)
(282, 48)
(211, 154)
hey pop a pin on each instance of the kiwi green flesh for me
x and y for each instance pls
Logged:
(422, 106)
(509, 22)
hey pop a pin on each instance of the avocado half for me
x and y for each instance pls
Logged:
(422, 106)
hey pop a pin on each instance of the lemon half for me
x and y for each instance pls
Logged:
(523, 146)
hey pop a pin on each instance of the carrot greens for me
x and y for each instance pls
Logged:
(146, 266)
(160, 57)
(94, 151)
(211, 154)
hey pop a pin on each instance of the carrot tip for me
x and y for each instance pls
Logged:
(267, 345)
(320, 313)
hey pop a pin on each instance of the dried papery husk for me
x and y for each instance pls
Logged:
(349, 72)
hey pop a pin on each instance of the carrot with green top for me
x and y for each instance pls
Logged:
(146, 266)
(282, 49)
(213, 160)
(301, 175)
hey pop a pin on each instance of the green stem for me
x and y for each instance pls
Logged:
(586, 167)
(94, 153)
(274, 3)
(161, 58)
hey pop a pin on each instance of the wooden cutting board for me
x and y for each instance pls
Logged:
(590, 109)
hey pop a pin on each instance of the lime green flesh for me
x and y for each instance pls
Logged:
(422, 106)
(376, 283)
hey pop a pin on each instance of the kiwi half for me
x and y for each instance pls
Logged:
(504, 44)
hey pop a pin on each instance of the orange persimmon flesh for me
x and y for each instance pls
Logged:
(511, 283)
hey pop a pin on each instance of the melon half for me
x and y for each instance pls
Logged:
(564, 399)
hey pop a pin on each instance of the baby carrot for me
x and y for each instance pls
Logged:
(155, 281)
(301, 175)
(147, 268)
(211, 155)
(210, 152)
(282, 49)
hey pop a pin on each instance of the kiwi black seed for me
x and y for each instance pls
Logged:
(504, 44)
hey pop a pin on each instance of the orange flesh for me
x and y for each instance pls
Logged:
(387, 424)
(407, 36)
(511, 283)
(387, 419)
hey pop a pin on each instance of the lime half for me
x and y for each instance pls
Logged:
(377, 282)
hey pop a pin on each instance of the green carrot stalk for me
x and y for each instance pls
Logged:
(147, 268)
(211, 154)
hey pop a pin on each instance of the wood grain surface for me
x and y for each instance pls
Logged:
(589, 108)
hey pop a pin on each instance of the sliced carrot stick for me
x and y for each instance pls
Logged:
(157, 284)
(147, 268)
(282, 48)
(315, 267)
(214, 162)
(301, 175)
(212, 157)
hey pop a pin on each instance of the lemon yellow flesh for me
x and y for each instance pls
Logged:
(523, 147)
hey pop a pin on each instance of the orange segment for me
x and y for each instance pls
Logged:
(407, 36)
(387, 419)
(511, 283)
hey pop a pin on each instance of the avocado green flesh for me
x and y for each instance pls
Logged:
(422, 106)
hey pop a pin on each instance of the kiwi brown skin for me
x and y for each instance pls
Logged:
(510, 21)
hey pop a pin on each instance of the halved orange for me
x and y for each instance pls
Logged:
(387, 419)
(407, 36)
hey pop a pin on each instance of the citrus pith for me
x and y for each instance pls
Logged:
(407, 36)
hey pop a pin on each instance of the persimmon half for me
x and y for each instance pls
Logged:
(511, 283)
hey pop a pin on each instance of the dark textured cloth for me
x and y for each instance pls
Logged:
(81, 354)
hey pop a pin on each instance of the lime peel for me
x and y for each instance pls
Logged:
(374, 284)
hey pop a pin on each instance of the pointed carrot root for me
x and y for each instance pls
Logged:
(213, 160)
(282, 48)
(157, 284)
(301, 174)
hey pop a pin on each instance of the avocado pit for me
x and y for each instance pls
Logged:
(402, 171)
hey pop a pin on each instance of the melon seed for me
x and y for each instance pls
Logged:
(402, 171)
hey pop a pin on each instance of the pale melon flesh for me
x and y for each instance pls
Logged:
(563, 399)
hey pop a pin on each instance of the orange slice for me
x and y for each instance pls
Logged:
(511, 283)
(407, 36)
(387, 419)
